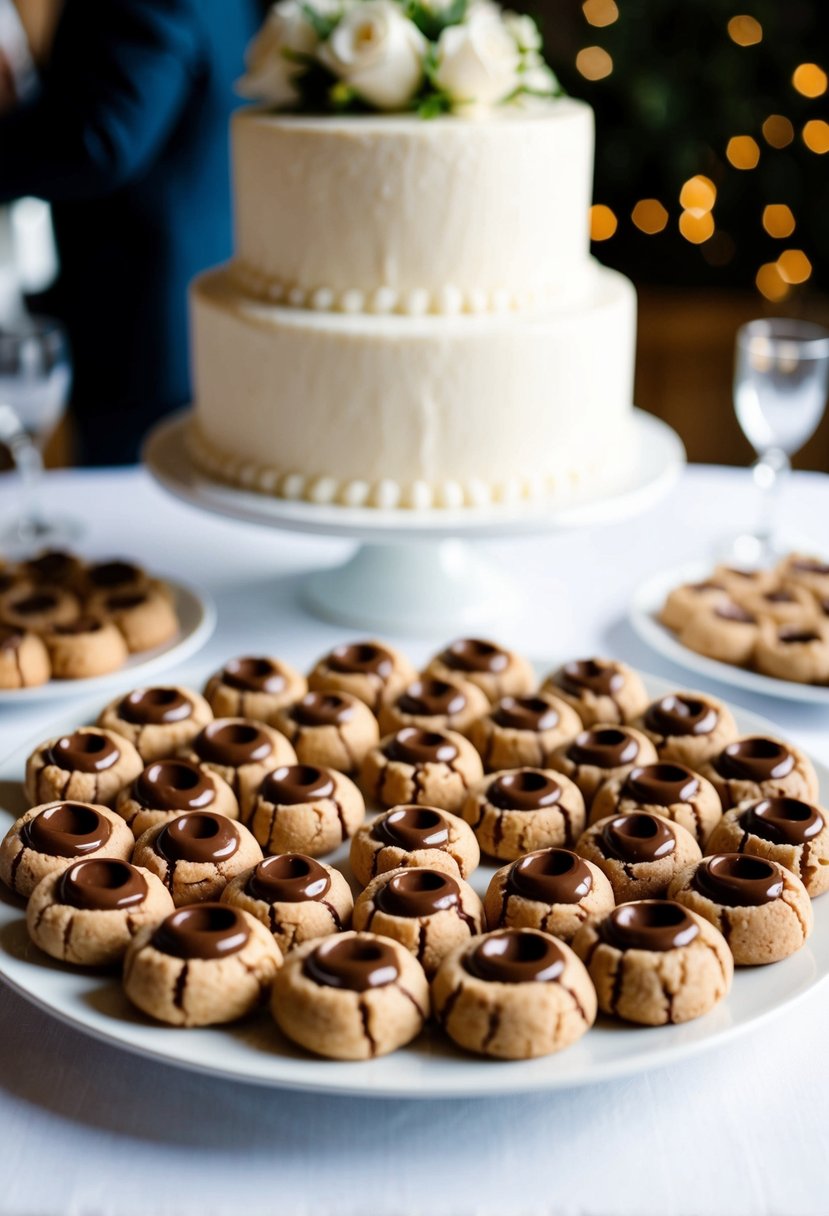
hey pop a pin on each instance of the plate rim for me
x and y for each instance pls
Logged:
(485, 1078)
(641, 613)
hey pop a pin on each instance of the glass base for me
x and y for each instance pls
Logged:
(24, 538)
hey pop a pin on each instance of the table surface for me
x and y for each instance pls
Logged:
(86, 1129)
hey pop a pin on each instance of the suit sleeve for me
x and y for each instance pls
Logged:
(119, 76)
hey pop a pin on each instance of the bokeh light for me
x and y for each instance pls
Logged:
(603, 222)
(698, 194)
(650, 216)
(810, 80)
(743, 152)
(600, 12)
(794, 266)
(778, 220)
(594, 63)
(816, 135)
(745, 30)
(770, 283)
(696, 226)
(778, 131)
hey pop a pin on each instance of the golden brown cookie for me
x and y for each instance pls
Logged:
(332, 729)
(498, 672)
(727, 633)
(413, 836)
(24, 660)
(146, 616)
(554, 890)
(806, 571)
(432, 703)
(158, 721)
(88, 913)
(241, 752)
(49, 838)
(667, 789)
(514, 994)
(430, 768)
(203, 965)
(351, 997)
(759, 766)
(785, 603)
(86, 647)
(599, 690)
(254, 687)
(165, 788)
(524, 809)
(372, 671)
(303, 808)
(639, 853)
(600, 754)
(296, 897)
(655, 963)
(428, 911)
(38, 608)
(785, 830)
(797, 652)
(740, 580)
(87, 765)
(762, 910)
(196, 854)
(687, 727)
(523, 730)
(683, 602)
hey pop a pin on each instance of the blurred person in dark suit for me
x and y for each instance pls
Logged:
(126, 136)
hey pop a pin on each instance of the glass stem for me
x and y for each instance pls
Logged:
(769, 472)
(29, 464)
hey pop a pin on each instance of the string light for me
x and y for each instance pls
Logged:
(696, 226)
(745, 30)
(600, 12)
(594, 63)
(698, 194)
(778, 131)
(794, 266)
(810, 80)
(770, 283)
(650, 216)
(778, 220)
(743, 152)
(603, 222)
(816, 135)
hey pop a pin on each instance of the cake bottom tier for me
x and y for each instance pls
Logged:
(414, 412)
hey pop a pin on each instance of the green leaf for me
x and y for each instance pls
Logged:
(322, 26)
(432, 23)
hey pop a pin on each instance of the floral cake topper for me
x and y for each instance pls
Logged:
(426, 56)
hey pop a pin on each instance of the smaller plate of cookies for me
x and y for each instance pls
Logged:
(765, 629)
(465, 880)
(69, 626)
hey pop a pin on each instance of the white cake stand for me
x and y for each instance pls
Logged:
(416, 572)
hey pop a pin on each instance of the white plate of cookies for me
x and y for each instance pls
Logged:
(70, 627)
(764, 630)
(375, 882)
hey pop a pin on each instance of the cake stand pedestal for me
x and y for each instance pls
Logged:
(416, 572)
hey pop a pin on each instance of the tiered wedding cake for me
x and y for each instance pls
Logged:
(413, 318)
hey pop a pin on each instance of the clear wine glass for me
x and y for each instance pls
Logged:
(781, 376)
(35, 378)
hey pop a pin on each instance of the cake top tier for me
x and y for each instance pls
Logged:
(429, 57)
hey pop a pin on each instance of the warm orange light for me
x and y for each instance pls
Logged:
(745, 30)
(698, 194)
(696, 226)
(810, 80)
(778, 131)
(794, 266)
(594, 63)
(649, 215)
(816, 135)
(603, 222)
(770, 282)
(600, 12)
(778, 220)
(743, 152)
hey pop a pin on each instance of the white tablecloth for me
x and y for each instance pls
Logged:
(86, 1129)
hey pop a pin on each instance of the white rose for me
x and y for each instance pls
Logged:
(524, 31)
(478, 61)
(378, 52)
(270, 71)
(539, 78)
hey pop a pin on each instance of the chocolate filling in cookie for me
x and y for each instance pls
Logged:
(357, 964)
(550, 876)
(607, 747)
(174, 785)
(197, 836)
(589, 675)
(101, 884)
(67, 829)
(361, 658)
(755, 759)
(782, 821)
(292, 784)
(525, 713)
(431, 698)
(232, 744)
(105, 576)
(253, 675)
(289, 878)
(660, 784)
(734, 614)
(736, 880)
(525, 789)
(789, 635)
(207, 931)
(636, 838)
(680, 715)
(514, 956)
(418, 893)
(83, 752)
(649, 924)
(473, 654)
(154, 707)
(83, 624)
(411, 745)
(412, 828)
(322, 709)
